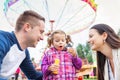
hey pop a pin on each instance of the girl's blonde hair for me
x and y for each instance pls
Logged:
(50, 38)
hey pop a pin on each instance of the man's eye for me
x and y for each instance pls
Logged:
(90, 36)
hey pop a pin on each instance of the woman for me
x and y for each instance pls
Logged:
(106, 43)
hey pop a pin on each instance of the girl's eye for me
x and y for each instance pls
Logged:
(63, 40)
(57, 40)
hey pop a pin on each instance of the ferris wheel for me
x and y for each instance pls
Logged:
(71, 16)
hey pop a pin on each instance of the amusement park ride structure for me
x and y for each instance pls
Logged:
(71, 16)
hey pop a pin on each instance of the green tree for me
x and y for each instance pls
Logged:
(88, 53)
(84, 51)
(80, 51)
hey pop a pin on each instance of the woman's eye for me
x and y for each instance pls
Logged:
(90, 36)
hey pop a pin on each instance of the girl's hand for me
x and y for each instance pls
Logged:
(72, 51)
(54, 68)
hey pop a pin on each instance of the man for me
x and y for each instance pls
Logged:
(13, 46)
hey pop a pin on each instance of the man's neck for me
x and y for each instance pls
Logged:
(21, 40)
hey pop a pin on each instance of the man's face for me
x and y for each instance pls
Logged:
(36, 34)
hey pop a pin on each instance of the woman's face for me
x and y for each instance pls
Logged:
(59, 41)
(95, 40)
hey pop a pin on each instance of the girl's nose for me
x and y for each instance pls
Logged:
(42, 37)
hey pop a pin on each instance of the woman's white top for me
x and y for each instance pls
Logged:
(108, 71)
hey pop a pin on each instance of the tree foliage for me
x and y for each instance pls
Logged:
(84, 51)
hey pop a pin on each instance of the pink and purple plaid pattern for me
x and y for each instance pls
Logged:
(68, 65)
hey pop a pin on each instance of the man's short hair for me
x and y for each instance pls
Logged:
(30, 17)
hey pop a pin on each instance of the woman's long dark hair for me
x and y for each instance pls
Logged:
(113, 40)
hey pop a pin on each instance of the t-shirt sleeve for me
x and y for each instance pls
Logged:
(3, 48)
(28, 68)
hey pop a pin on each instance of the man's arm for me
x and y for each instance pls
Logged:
(4, 47)
(29, 70)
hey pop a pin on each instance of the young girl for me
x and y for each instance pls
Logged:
(67, 60)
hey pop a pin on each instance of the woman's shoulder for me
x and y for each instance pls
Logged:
(116, 50)
(116, 53)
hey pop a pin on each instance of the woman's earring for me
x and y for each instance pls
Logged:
(103, 41)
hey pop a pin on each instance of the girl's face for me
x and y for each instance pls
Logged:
(96, 40)
(59, 41)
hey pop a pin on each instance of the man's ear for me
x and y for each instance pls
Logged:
(27, 27)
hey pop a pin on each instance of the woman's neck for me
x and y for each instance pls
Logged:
(107, 51)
